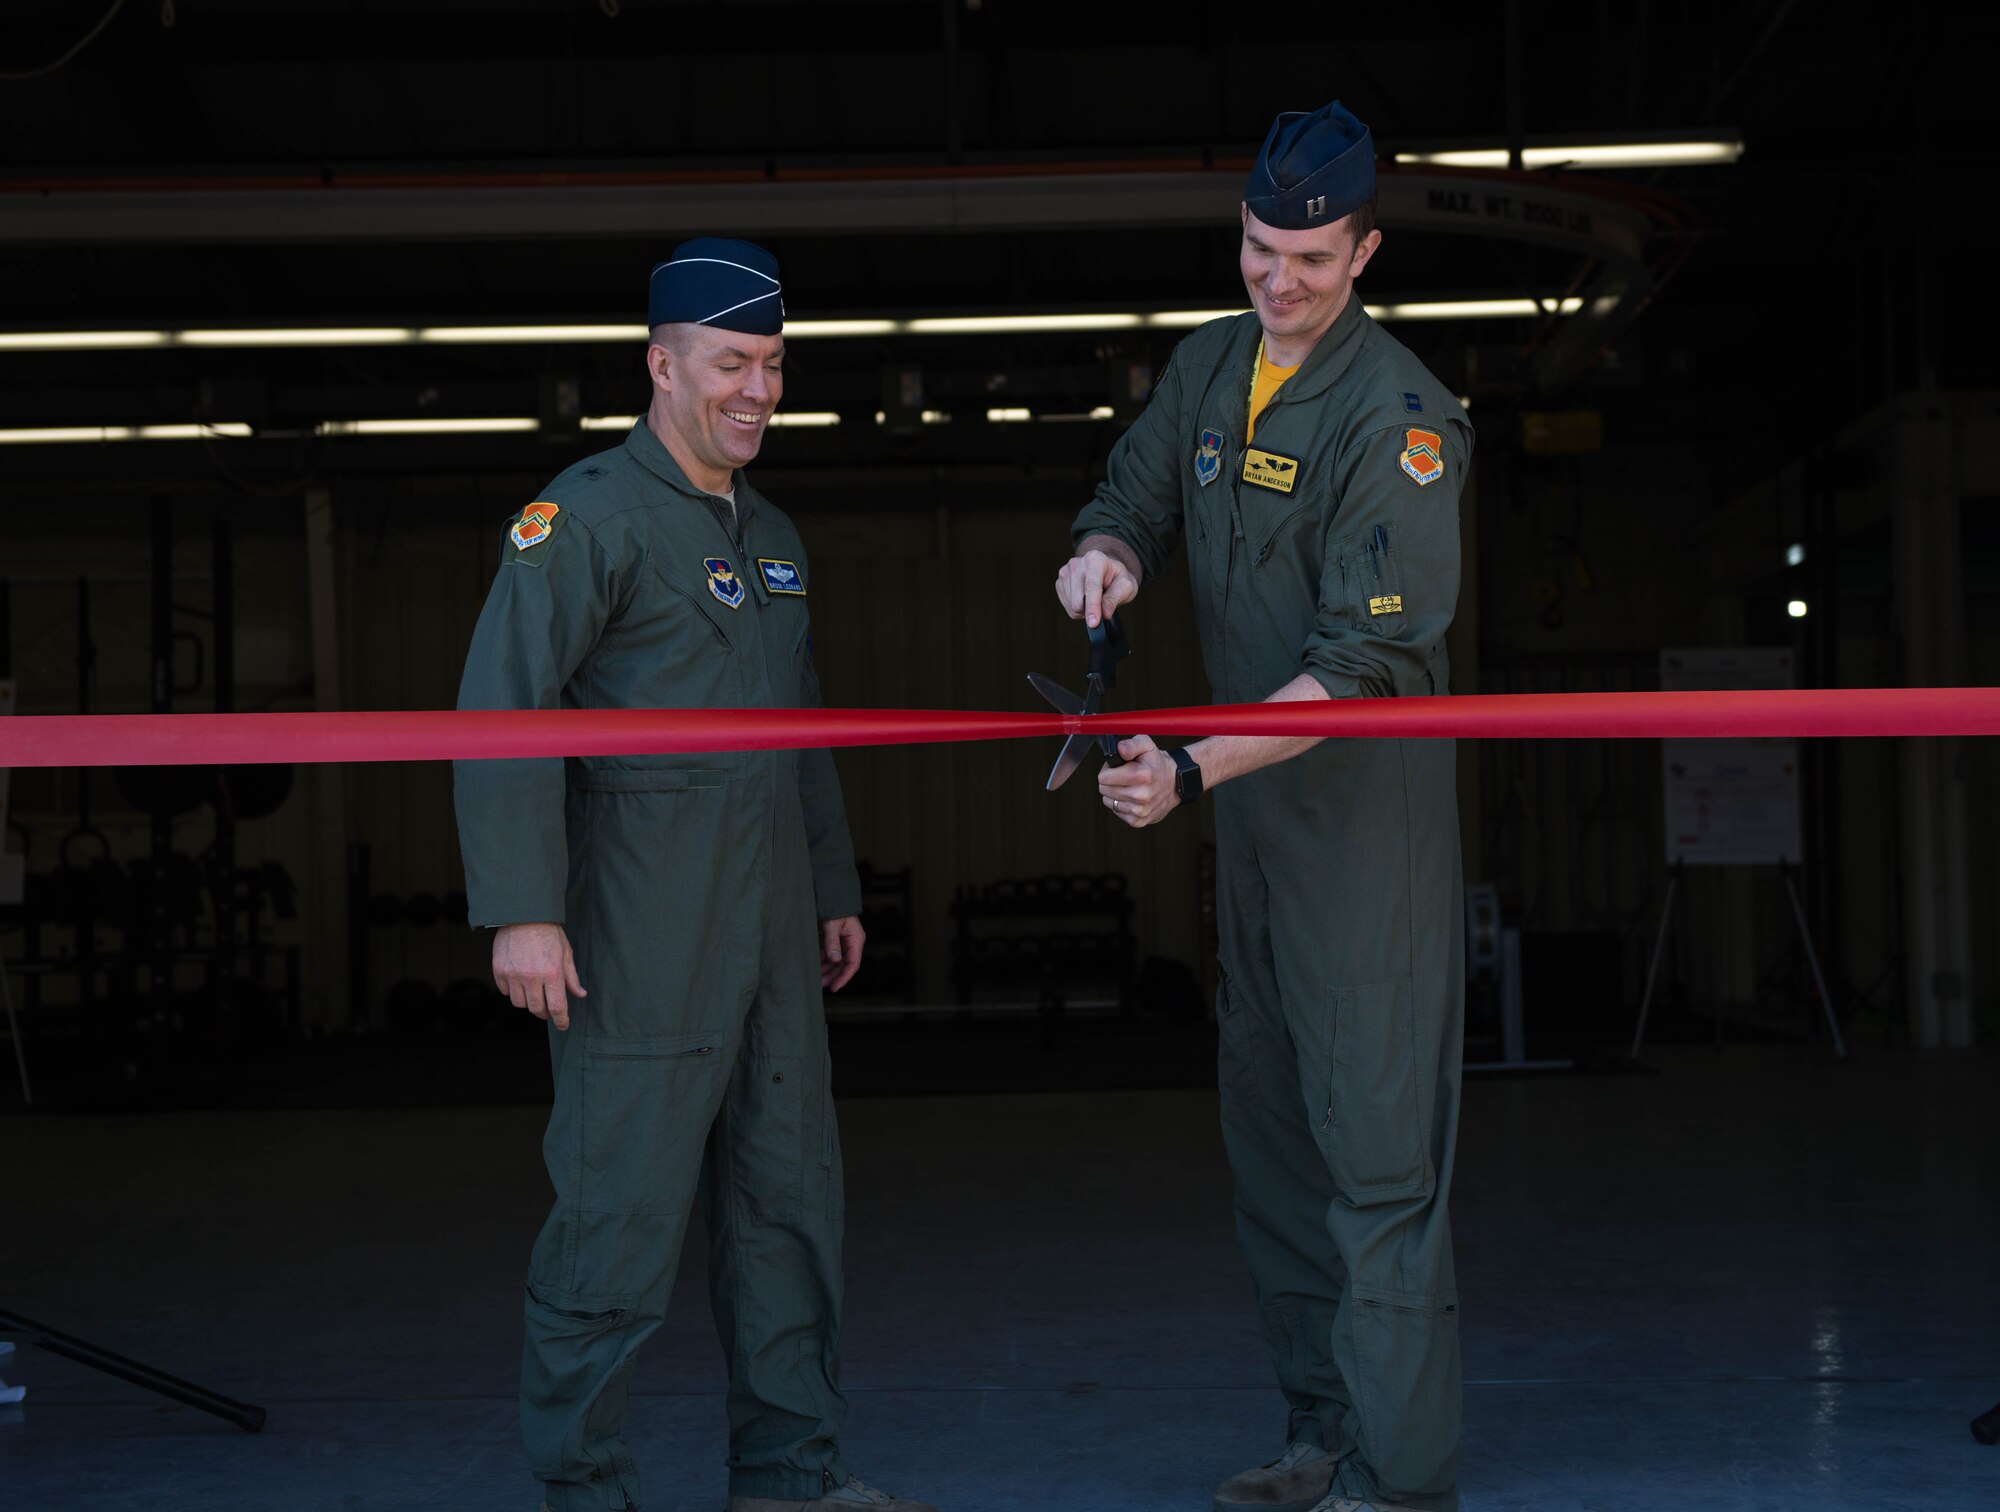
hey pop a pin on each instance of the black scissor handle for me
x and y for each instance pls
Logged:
(1107, 649)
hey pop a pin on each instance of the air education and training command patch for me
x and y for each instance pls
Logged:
(1208, 457)
(723, 581)
(1423, 456)
(1272, 470)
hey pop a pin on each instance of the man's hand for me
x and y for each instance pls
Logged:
(1097, 580)
(1141, 792)
(840, 942)
(533, 965)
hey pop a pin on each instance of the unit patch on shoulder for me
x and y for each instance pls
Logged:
(533, 527)
(781, 577)
(1272, 470)
(1423, 456)
(531, 533)
(1208, 457)
(723, 581)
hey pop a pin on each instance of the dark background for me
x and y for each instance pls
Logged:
(1809, 368)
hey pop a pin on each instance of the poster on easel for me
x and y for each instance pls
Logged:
(1730, 802)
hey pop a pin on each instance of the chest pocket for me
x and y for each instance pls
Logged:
(1371, 572)
(708, 611)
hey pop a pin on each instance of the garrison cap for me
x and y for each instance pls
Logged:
(731, 285)
(1315, 168)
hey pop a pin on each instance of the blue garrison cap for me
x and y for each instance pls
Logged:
(732, 285)
(1314, 169)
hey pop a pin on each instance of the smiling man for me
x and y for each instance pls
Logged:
(1311, 467)
(674, 918)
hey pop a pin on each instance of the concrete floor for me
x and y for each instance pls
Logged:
(1760, 1281)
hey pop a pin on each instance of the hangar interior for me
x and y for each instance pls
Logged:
(306, 298)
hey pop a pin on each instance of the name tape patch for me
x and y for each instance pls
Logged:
(1273, 470)
(781, 577)
(1388, 603)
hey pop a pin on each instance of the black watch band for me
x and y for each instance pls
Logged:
(1187, 775)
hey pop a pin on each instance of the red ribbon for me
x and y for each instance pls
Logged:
(69, 740)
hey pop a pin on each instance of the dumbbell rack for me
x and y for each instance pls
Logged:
(1032, 933)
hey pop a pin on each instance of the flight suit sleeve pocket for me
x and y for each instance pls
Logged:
(1372, 1130)
(1372, 580)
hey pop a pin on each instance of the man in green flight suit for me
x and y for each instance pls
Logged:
(1311, 467)
(685, 890)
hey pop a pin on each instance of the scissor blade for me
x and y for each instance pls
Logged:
(1068, 760)
(1065, 701)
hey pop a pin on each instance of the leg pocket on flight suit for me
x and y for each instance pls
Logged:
(1236, 1040)
(643, 1111)
(831, 1166)
(1372, 1130)
(1407, 1385)
(770, 1130)
(645, 1119)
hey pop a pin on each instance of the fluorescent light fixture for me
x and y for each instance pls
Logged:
(1188, 319)
(803, 330)
(434, 427)
(807, 330)
(1004, 416)
(1102, 412)
(57, 435)
(1692, 153)
(808, 419)
(311, 336)
(935, 417)
(1795, 554)
(1796, 608)
(983, 325)
(608, 422)
(79, 341)
(1475, 309)
(526, 334)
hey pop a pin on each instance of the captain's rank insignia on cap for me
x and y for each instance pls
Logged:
(533, 527)
(1423, 456)
(1270, 470)
(781, 577)
(1208, 457)
(723, 581)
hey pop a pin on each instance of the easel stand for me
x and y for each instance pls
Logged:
(242, 1414)
(1805, 939)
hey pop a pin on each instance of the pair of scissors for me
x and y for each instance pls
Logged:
(1107, 649)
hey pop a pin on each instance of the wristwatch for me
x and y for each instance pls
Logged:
(1187, 775)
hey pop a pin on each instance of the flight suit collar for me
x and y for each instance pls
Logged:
(652, 455)
(1330, 357)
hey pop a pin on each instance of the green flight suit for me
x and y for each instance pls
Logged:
(1329, 545)
(690, 886)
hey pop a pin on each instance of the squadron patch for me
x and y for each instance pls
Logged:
(1423, 456)
(723, 581)
(781, 577)
(1208, 457)
(533, 527)
(1271, 470)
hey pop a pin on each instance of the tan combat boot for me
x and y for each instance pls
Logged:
(851, 1497)
(1294, 1482)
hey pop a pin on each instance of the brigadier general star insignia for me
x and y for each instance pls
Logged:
(723, 581)
(1423, 456)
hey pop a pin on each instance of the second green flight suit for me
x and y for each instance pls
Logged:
(1329, 545)
(690, 887)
